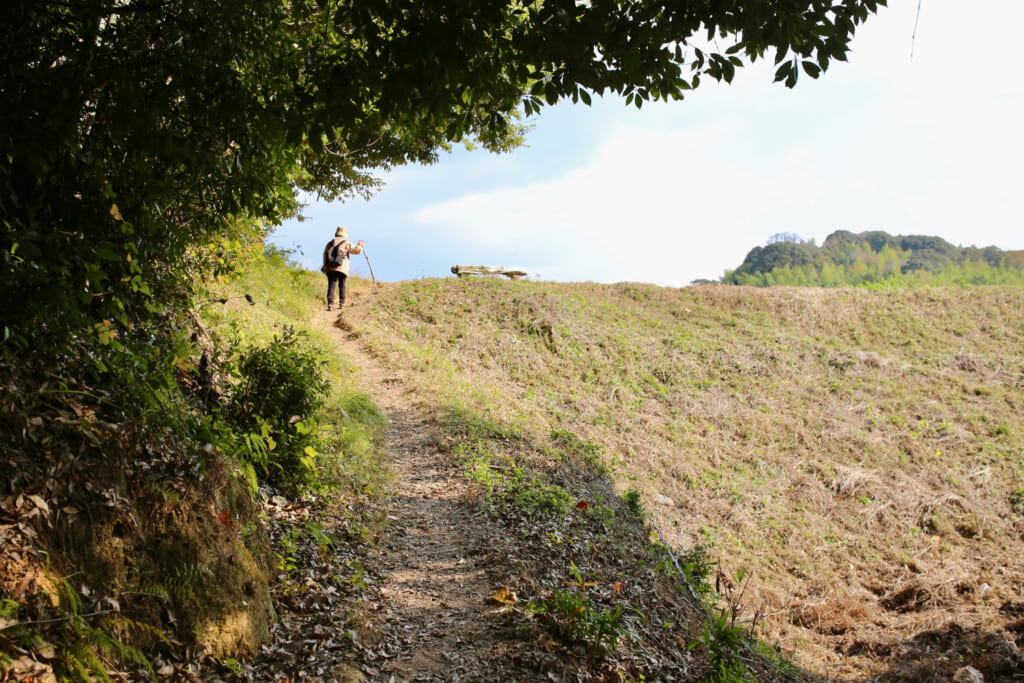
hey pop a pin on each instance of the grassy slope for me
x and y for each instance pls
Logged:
(859, 451)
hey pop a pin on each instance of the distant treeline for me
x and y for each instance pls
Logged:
(874, 258)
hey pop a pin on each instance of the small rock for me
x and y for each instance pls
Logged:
(968, 674)
(663, 500)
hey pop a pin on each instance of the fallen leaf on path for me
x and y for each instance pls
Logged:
(504, 597)
(44, 650)
(40, 504)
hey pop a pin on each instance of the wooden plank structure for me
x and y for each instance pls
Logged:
(466, 271)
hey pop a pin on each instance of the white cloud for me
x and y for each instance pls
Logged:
(652, 206)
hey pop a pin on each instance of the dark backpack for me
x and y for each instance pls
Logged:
(336, 254)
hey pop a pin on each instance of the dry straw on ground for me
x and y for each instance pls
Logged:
(870, 437)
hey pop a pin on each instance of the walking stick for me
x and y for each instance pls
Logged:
(371, 268)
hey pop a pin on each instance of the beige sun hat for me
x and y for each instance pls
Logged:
(341, 232)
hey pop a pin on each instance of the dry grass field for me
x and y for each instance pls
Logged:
(853, 459)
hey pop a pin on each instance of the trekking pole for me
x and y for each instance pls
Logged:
(371, 268)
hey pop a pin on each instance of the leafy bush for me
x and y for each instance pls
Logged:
(282, 386)
(281, 380)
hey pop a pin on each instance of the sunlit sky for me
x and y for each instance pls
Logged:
(931, 144)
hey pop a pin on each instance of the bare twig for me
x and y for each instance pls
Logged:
(675, 561)
(58, 619)
(913, 36)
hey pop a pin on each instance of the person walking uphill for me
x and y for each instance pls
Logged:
(336, 265)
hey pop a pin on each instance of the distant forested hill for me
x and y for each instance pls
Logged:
(874, 258)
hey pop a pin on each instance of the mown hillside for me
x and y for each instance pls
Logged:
(851, 458)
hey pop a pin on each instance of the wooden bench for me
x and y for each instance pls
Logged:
(466, 271)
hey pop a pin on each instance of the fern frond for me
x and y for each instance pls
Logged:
(68, 598)
(85, 663)
(154, 589)
(125, 627)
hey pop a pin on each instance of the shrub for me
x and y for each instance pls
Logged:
(280, 380)
(281, 386)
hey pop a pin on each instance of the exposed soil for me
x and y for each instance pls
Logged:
(108, 533)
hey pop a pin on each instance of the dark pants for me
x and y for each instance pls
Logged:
(335, 279)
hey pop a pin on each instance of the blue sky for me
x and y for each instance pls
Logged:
(932, 144)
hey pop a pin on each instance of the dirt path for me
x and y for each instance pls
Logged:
(439, 558)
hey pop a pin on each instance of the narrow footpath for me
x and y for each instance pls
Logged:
(439, 559)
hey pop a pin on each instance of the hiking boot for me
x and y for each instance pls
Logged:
(330, 307)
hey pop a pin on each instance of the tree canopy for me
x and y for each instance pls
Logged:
(875, 258)
(136, 134)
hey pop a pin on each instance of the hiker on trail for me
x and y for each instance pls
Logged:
(336, 265)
